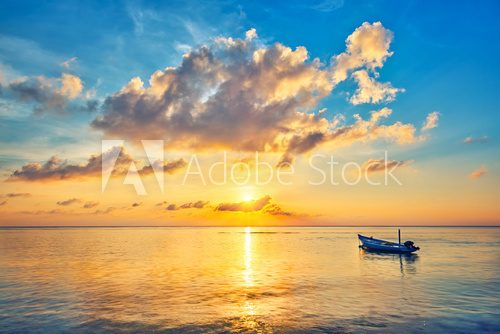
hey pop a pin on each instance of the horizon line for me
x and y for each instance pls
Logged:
(232, 226)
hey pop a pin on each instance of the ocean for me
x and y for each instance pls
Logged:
(247, 280)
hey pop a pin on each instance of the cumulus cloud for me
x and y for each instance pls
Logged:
(361, 130)
(480, 172)
(57, 169)
(90, 205)
(371, 91)
(69, 201)
(264, 205)
(377, 165)
(243, 95)
(368, 46)
(473, 140)
(431, 121)
(50, 95)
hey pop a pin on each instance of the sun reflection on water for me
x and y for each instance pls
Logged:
(248, 272)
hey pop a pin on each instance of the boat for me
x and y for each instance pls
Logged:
(378, 245)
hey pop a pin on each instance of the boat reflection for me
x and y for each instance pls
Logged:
(407, 262)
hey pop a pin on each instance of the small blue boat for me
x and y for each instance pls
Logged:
(377, 245)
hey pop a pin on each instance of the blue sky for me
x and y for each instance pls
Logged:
(445, 56)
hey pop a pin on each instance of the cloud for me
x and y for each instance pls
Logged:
(361, 130)
(50, 95)
(371, 91)
(104, 212)
(189, 205)
(243, 95)
(377, 165)
(57, 169)
(71, 86)
(193, 205)
(431, 121)
(90, 205)
(327, 6)
(69, 62)
(368, 46)
(480, 172)
(251, 34)
(43, 212)
(69, 201)
(286, 161)
(479, 140)
(170, 167)
(2, 203)
(12, 195)
(264, 205)
(135, 205)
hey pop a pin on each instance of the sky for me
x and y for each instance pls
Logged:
(207, 113)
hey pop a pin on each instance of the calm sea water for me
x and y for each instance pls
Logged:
(211, 280)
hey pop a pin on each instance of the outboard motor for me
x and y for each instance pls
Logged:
(411, 245)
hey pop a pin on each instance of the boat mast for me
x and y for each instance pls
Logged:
(399, 236)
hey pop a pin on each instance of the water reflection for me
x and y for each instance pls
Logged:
(247, 272)
(246, 280)
(407, 262)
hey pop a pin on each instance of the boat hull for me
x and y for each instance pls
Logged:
(377, 245)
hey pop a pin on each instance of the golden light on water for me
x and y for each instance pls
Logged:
(247, 273)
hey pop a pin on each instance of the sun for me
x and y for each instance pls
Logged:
(248, 193)
(248, 197)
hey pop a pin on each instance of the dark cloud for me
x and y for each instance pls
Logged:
(377, 165)
(90, 205)
(105, 211)
(189, 205)
(69, 201)
(2, 203)
(12, 195)
(286, 161)
(57, 169)
(43, 212)
(193, 205)
(50, 95)
(136, 204)
(276, 210)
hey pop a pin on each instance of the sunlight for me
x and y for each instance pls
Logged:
(248, 194)
(247, 273)
(248, 197)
